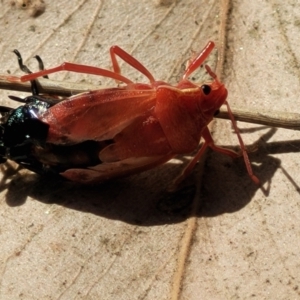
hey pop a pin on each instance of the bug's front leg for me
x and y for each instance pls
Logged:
(209, 142)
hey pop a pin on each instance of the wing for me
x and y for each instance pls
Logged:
(96, 115)
(121, 168)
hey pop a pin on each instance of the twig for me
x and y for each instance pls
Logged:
(66, 89)
(264, 117)
(48, 86)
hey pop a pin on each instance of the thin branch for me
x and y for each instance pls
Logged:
(66, 89)
(264, 117)
(48, 86)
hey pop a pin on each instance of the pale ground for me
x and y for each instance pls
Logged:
(129, 239)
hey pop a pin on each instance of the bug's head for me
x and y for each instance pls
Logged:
(214, 94)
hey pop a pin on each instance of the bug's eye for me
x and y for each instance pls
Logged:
(206, 89)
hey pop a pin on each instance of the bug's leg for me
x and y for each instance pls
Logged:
(117, 51)
(209, 142)
(208, 138)
(72, 68)
(242, 145)
(198, 60)
(189, 168)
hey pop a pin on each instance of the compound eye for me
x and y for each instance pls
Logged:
(206, 89)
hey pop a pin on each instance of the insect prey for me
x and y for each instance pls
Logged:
(102, 134)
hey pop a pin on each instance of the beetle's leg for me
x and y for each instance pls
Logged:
(66, 66)
(25, 69)
(198, 60)
(41, 65)
(117, 51)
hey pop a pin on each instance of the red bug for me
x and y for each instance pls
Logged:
(136, 126)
